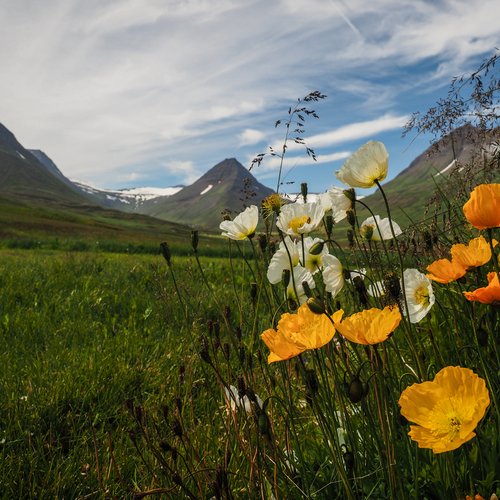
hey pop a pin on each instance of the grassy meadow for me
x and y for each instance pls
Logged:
(129, 376)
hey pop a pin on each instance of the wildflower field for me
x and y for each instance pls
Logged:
(295, 367)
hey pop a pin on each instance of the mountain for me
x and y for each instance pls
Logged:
(37, 202)
(24, 177)
(228, 186)
(126, 200)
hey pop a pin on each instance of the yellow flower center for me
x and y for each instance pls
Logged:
(422, 295)
(297, 222)
(314, 263)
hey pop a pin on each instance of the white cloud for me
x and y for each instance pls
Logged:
(250, 137)
(184, 169)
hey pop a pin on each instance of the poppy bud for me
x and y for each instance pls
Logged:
(316, 305)
(285, 277)
(311, 382)
(351, 218)
(253, 292)
(263, 242)
(307, 289)
(317, 248)
(165, 446)
(263, 424)
(360, 287)
(303, 191)
(349, 460)
(177, 428)
(204, 354)
(194, 240)
(393, 286)
(355, 390)
(350, 194)
(367, 232)
(350, 237)
(165, 250)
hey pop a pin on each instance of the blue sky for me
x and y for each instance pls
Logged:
(124, 93)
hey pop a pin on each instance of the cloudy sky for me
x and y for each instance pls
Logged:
(123, 93)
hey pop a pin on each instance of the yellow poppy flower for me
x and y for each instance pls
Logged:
(446, 410)
(445, 271)
(368, 164)
(475, 254)
(489, 294)
(482, 209)
(299, 332)
(370, 326)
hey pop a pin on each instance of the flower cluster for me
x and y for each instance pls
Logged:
(445, 411)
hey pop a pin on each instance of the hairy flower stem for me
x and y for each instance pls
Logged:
(184, 307)
(401, 265)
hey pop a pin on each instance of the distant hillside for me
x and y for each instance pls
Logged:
(38, 202)
(228, 186)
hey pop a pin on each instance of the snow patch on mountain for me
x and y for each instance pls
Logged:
(207, 189)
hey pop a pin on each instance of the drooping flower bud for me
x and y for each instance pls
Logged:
(317, 248)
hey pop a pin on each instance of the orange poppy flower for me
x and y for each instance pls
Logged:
(445, 271)
(489, 294)
(299, 332)
(370, 326)
(475, 254)
(482, 209)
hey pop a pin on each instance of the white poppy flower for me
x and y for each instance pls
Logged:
(325, 201)
(299, 276)
(377, 229)
(333, 274)
(296, 219)
(419, 295)
(286, 257)
(313, 263)
(368, 164)
(340, 203)
(236, 402)
(242, 226)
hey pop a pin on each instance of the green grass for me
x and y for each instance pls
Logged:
(80, 334)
